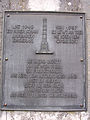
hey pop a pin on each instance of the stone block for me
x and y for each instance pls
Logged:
(43, 116)
(3, 115)
(4, 5)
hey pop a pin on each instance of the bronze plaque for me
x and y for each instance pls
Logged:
(44, 61)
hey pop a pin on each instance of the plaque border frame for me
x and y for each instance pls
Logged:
(75, 108)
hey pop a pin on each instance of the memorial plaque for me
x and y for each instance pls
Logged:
(44, 61)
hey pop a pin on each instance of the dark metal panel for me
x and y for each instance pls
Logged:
(44, 61)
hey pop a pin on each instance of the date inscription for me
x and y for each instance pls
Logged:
(67, 34)
(22, 34)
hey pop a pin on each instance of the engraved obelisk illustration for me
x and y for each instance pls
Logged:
(44, 48)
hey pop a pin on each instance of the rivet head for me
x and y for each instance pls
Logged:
(81, 105)
(8, 15)
(81, 60)
(81, 17)
(6, 59)
(5, 104)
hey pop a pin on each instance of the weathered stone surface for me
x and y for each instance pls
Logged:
(88, 30)
(18, 115)
(46, 5)
(86, 7)
(3, 115)
(1, 15)
(47, 116)
(18, 4)
(4, 5)
(43, 116)
(84, 116)
(70, 5)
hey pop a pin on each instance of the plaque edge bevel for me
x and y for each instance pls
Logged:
(86, 77)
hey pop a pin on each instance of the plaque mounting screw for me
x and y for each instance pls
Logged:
(5, 104)
(6, 59)
(81, 105)
(81, 60)
(8, 15)
(81, 17)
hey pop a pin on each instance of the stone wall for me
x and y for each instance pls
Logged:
(48, 5)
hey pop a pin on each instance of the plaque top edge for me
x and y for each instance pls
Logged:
(50, 12)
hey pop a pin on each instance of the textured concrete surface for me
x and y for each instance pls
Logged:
(17, 115)
(4, 5)
(48, 5)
